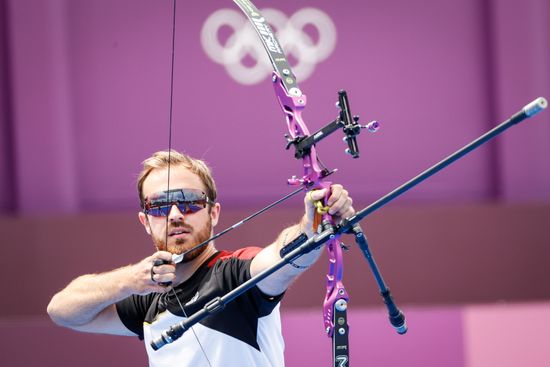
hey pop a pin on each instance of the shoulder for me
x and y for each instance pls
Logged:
(245, 253)
(232, 268)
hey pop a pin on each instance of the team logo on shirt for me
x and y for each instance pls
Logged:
(192, 300)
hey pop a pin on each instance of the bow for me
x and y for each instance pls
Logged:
(293, 102)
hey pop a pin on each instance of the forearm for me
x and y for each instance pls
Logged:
(86, 296)
(278, 282)
(291, 233)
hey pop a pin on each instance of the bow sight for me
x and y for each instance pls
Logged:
(349, 125)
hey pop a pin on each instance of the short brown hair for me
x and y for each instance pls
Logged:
(163, 159)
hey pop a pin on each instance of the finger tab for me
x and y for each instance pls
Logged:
(158, 262)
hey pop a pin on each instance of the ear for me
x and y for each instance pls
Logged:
(144, 221)
(215, 213)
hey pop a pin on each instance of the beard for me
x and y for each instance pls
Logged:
(181, 245)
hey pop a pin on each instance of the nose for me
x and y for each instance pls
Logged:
(175, 214)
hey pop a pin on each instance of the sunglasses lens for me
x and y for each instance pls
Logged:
(195, 206)
(159, 211)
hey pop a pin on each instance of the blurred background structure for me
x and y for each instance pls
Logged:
(84, 98)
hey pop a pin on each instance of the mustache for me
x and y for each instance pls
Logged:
(181, 225)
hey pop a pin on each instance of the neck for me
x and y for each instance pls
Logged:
(185, 270)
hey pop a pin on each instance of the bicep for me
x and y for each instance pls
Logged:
(106, 322)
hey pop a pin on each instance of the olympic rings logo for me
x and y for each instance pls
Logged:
(243, 42)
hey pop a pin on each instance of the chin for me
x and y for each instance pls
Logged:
(194, 254)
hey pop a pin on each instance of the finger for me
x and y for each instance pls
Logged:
(339, 206)
(350, 212)
(316, 195)
(164, 255)
(346, 210)
(161, 267)
(338, 200)
(164, 269)
(337, 191)
(162, 279)
(158, 262)
(159, 270)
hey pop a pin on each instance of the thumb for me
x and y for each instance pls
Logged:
(316, 195)
(312, 197)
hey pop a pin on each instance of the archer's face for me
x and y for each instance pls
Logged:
(179, 231)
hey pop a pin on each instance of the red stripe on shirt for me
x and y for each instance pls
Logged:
(245, 253)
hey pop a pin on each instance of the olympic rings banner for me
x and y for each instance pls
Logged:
(290, 31)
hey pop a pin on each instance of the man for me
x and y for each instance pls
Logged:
(179, 211)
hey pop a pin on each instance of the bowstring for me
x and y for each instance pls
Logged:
(169, 160)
